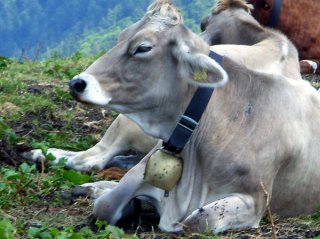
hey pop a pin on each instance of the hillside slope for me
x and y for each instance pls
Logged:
(45, 27)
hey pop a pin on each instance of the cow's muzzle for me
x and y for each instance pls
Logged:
(77, 86)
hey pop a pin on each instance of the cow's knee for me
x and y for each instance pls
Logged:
(233, 212)
(309, 67)
(112, 205)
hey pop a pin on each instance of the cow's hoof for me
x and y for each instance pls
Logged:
(79, 191)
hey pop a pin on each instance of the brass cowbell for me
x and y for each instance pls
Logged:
(163, 170)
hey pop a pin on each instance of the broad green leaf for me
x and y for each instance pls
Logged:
(26, 168)
(115, 232)
(11, 174)
(2, 187)
(33, 232)
(50, 157)
(45, 235)
(12, 137)
(3, 128)
(75, 177)
(6, 229)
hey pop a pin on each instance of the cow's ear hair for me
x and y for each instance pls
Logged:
(198, 68)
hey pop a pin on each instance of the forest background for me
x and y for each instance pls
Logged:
(39, 29)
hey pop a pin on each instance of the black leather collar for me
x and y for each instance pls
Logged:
(189, 120)
(275, 13)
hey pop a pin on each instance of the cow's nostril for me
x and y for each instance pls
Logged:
(78, 85)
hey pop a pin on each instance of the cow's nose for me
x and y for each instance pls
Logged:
(77, 85)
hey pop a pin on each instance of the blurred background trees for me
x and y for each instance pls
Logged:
(43, 28)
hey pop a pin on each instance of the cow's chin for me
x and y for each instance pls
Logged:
(123, 108)
(103, 101)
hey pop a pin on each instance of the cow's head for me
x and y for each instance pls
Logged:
(150, 71)
(225, 23)
(262, 10)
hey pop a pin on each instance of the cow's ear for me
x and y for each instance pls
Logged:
(198, 68)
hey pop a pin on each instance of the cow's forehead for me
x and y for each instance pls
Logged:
(130, 31)
(157, 20)
(141, 31)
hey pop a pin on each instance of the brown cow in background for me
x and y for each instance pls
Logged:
(299, 20)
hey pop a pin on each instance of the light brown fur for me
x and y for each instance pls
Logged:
(299, 21)
(223, 5)
(231, 23)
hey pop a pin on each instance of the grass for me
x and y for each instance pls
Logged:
(37, 110)
(36, 93)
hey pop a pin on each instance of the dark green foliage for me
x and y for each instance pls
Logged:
(36, 28)
(4, 62)
(316, 216)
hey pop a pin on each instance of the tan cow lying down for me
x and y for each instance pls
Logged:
(279, 57)
(263, 49)
(259, 128)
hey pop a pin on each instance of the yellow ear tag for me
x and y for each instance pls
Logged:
(163, 170)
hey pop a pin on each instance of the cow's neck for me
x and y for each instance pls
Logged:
(160, 122)
(251, 33)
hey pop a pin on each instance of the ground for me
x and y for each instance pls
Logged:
(37, 111)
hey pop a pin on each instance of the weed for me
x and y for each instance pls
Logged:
(7, 230)
(4, 62)
(44, 118)
(4, 128)
(316, 216)
(7, 132)
(70, 232)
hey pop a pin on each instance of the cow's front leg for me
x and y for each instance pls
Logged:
(93, 190)
(111, 205)
(233, 212)
(122, 135)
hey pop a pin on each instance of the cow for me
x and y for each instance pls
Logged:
(259, 132)
(124, 134)
(298, 20)
(222, 29)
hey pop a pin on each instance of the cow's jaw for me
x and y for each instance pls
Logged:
(91, 93)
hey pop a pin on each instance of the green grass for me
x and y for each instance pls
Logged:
(18, 80)
(36, 93)
(35, 96)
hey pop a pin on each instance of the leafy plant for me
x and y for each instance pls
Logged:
(71, 233)
(17, 187)
(7, 230)
(4, 128)
(4, 61)
(316, 216)
(7, 132)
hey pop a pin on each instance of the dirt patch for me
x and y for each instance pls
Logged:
(284, 230)
(10, 153)
(8, 109)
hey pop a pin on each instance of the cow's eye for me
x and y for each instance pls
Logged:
(142, 49)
